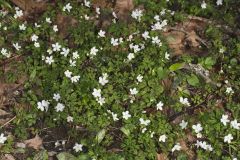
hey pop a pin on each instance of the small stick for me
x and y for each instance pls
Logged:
(8, 122)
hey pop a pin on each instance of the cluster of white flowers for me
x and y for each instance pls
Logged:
(197, 129)
(74, 79)
(43, 105)
(116, 41)
(34, 38)
(234, 123)
(97, 95)
(204, 145)
(184, 101)
(229, 90)
(5, 53)
(159, 25)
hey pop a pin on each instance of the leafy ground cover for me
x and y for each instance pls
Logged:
(119, 80)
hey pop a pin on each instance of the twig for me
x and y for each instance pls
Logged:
(8, 122)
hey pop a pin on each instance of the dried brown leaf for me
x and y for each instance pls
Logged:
(35, 142)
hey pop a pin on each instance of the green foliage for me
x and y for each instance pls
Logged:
(126, 119)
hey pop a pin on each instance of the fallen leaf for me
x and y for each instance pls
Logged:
(8, 157)
(35, 142)
(123, 8)
(161, 156)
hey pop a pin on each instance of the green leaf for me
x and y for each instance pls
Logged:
(42, 155)
(66, 156)
(193, 80)
(162, 73)
(33, 74)
(101, 134)
(209, 61)
(125, 131)
(176, 66)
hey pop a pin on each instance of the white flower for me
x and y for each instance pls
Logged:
(228, 138)
(96, 92)
(56, 47)
(167, 55)
(156, 40)
(221, 50)
(49, 60)
(229, 90)
(235, 124)
(101, 33)
(145, 35)
(225, 119)
(87, 3)
(114, 116)
(49, 51)
(98, 10)
(139, 78)
(68, 73)
(5, 53)
(162, 138)
(75, 79)
(67, 7)
(204, 145)
(69, 119)
(219, 2)
(204, 5)
(183, 124)
(152, 133)
(19, 13)
(55, 28)
(130, 56)
(197, 128)
(48, 20)
(184, 101)
(133, 91)
(75, 55)
(144, 122)
(34, 38)
(56, 96)
(2, 138)
(101, 100)
(59, 107)
(22, 27)
(36, 44)
(157, 17)
(126, 115)
(176, 147)
(103, 80)
(159, 105)
(65, 52)
(159, 26)
(37, 25)
(144, 130)
(114, 42)
(43, 105)
(137, 14)
(78, 147)
(93, 51)
(72, 63)
(16, 46)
